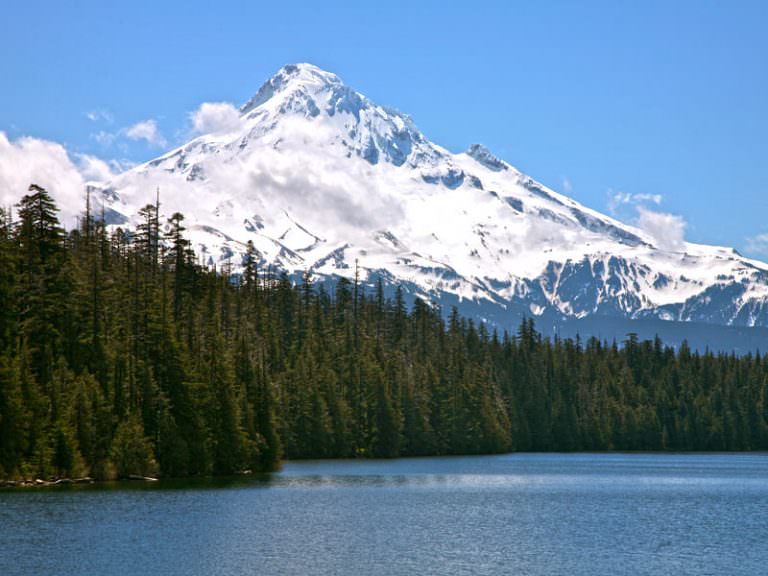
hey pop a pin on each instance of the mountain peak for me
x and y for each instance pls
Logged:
(305, 73)
(293, 75)
(319, 176)
(360, 126)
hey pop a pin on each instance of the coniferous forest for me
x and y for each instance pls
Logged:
(120, 355)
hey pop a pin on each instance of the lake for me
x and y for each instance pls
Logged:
(528, 514)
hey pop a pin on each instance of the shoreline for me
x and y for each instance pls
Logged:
(82, 481)
(139, 480)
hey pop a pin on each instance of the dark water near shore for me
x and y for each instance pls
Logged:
(530, 514)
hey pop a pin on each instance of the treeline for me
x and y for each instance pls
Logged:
(120, 355)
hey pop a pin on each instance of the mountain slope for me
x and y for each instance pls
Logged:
(321, 178)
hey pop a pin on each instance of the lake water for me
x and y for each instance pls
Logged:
(527, 514)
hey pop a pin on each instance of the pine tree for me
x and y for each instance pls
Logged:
(43, 286)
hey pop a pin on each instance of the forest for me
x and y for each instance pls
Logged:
(121, 355)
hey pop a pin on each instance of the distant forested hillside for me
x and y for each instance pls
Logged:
(120, 355)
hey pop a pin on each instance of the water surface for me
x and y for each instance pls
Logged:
(528, 514)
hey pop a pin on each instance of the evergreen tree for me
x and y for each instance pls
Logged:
(43, 286)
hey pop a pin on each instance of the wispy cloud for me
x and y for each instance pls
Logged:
(146, 130)
(214, 117)
(668, 230)
(758, 244)
(567, 185)
(100, 115)
(104, 138)
(618, 198)
(640, 209)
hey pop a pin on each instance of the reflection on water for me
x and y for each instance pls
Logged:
(579, 514)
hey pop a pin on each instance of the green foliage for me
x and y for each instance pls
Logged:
(14, 419)
(131, 450)
(120, 355)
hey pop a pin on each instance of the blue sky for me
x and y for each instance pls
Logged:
(617, 104)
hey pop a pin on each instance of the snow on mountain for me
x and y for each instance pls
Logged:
(319, 177)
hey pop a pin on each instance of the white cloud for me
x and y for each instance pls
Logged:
(214, 117)
(567, 185)
(668, 230)
(99, 116)
(26, 160)
(118, 165)
(95, 169)
(146, 130)
(758, 244)
(265, 181)
(617, 198)
(324, 185)
(104, 138)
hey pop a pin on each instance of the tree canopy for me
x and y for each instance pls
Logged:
(120, 355)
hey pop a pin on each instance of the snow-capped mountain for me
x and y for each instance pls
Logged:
(320, 178)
